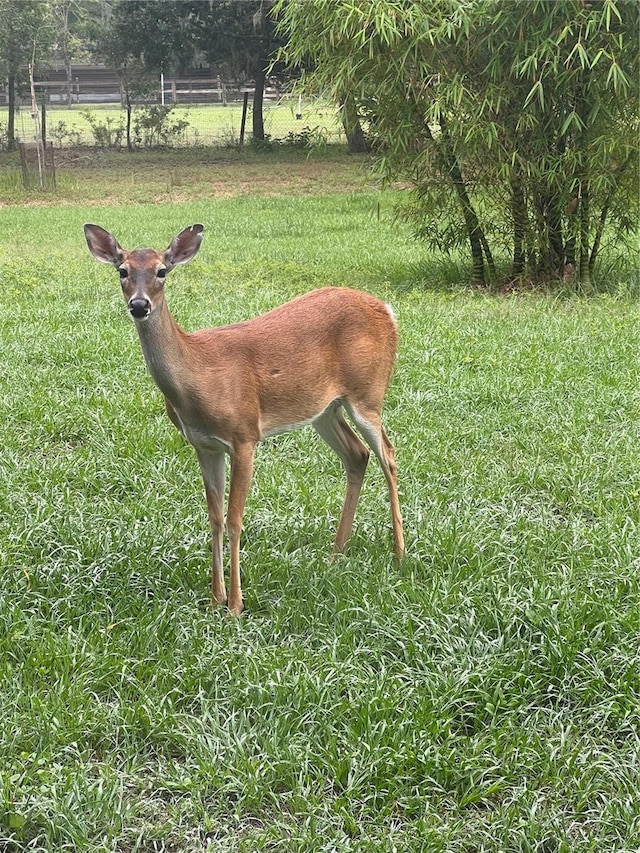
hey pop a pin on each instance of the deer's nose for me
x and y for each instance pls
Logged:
(139, 308)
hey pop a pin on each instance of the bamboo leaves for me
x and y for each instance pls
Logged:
(531, 101)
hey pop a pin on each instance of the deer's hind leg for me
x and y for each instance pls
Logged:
(369, 423)
(354, 456)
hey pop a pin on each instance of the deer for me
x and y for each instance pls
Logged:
(307, 362)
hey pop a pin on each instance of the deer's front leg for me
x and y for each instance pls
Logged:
(241, 471)
(212, 468)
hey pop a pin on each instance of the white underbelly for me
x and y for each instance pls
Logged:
(278, 430)
(199, 437)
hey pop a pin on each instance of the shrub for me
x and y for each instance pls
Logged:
(108, 133)
(62, 134)
(154, 126)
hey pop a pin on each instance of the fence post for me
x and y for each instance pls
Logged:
(245, 102)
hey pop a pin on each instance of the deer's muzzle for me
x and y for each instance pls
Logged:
(139, 308)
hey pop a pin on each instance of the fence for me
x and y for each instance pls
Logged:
(197, 109)
(213, 122)
(38, 167)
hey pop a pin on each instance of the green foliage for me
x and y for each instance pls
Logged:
(24, 33)
(515, 123)
(162, 35)
(306, 137)
(158, 34)
(155, 126)
(25, 39)
(108, 131)
(65, 135)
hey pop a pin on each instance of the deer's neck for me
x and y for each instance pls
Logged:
(165, 352)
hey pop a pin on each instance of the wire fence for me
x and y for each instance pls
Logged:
(288, 119)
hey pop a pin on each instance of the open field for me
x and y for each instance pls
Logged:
(483, 696)
(211, 124)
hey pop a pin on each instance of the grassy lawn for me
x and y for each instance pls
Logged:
(90, 177)
(484, 696)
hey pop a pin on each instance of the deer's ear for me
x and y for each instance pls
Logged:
(103, 245)
(184, 247)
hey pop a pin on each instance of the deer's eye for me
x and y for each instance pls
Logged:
(123, 272)
(161, 273)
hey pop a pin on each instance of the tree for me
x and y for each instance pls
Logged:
(515, 123)
(239, 38)
(23, 31)
(70, 19)
(157, 34)
(136, 42)
(356, 138)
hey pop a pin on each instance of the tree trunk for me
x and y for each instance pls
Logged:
(448, 165)
(63, 11)
(604, 213)
(584, 209)
(519, 217)
(356, 140)
(550, 239)
(474, 232)
(556, 240)
(584, 268)
(67, 68)
(488, 256)
(257, 117)
(11, 123)
(451, 167)
(129, 109)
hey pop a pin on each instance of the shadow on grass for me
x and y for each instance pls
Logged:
(448, 274)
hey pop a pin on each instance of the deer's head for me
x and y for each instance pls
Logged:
(143, 271)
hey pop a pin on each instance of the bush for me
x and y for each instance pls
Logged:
(307, 137)
(62, 134)
(154, 126)
(108, 133)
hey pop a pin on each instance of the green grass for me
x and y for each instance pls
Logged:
(484, 696)
(89, 177)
